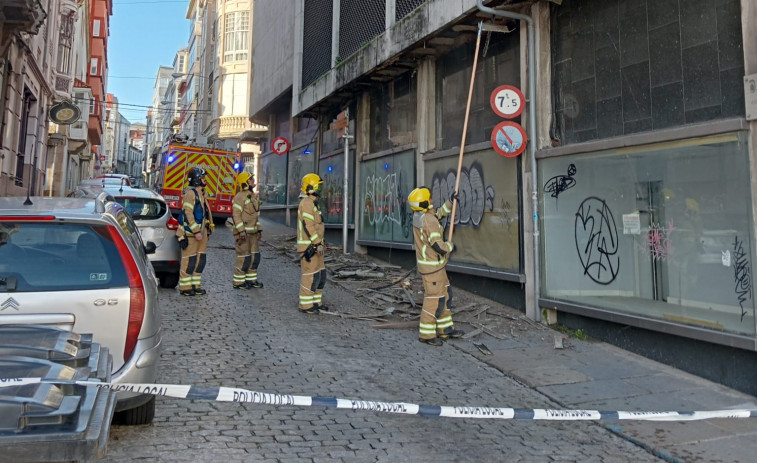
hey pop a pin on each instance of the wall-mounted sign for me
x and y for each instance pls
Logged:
(102, 158)
(280, 145)
(65, 113)
(509, 139)
(507, 101)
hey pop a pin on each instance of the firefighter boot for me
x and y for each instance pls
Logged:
(187, 292)
(253, 284)
(198, 291)
(432, 341)
(452, 333)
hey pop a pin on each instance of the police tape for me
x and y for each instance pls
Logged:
(230, 394)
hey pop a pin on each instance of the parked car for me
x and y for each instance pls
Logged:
(102, 182)
(123, 178)
(154, 220)
(81, 265)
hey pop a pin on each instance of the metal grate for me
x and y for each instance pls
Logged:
(404, 7)
(316, 40)
(359, 22)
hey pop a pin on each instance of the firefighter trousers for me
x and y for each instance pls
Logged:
(248, 259)
(193, 262)
(312, 282)
(436, 318)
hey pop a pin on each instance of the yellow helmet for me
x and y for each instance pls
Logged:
(244, 179)
(419, 199)
(311, 184)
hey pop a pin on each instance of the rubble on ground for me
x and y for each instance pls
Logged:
(393, 295)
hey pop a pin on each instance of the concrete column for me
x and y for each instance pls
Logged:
(299, 16)
(749, 34)
(335, 12)
(391, 7)
(426, 111)
(362, 147)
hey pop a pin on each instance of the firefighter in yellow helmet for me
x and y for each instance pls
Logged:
(310, 246)
(432, 253)
(195, 226)
(247, 232)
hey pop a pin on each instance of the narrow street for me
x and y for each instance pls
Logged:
(257, 340)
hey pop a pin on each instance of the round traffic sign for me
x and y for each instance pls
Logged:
(102, 157)
(280, 145)
(509, 139)
(507, 101)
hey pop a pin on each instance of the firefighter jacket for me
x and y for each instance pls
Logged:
(310, 228)
(195, 212)
(246, 208)
(427, 233)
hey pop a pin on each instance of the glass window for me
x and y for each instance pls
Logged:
(393, 113)
(142, 208)
(498, 64)
(659, 231)
(96, 28)
(272, 182)
(385, 183)
(235, 36)
(331, 170)
(301, 162)
(93, 66)
(59, 257)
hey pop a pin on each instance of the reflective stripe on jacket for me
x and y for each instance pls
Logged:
(245, 211)
(427, 231)
(310, 228)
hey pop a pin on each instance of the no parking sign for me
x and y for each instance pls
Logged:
(509, 139)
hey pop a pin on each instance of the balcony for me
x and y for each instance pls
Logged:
(233, 126)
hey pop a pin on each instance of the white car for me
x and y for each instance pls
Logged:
(80, 264)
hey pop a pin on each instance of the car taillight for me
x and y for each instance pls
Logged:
(172, 224)
(137, 293)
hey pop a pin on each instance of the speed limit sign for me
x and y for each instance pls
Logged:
(507, 101)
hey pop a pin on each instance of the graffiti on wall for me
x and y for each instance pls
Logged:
(333, 197)
(385, 202)
(474, 197)
(596, 237)
(742, 274)
(560, 183)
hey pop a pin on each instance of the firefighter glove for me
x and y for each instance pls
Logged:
(242, 236)
(319, 248)
(454, 196)
(183, 243)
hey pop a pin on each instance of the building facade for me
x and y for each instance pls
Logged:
(630, 211)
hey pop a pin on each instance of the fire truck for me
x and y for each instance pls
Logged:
(221, 169)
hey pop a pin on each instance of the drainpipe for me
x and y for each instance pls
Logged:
(532, 45)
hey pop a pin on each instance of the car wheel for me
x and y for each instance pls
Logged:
(143, 414)
(169, 280)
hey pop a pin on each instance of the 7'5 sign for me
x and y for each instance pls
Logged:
(507, 101)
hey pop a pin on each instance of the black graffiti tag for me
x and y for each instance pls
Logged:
(560, 183)
(742, 274)
(597, 243)
(474, 197)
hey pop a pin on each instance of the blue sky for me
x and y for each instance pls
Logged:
(144, 34)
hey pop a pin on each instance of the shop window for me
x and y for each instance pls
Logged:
(487, 225)
(624, 67)
(498, 64)
(394, 113)
(662, 232)
(331, 171)
(385, 183)
(301, 162)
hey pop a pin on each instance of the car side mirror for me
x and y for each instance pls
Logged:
(150, 247)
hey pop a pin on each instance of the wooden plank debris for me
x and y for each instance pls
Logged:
(395, 325)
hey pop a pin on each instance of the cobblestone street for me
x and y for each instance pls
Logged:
(257, 340)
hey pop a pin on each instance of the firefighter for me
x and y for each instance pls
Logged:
(432, 253)
(310, 246)
(247, 232)
(196, 225)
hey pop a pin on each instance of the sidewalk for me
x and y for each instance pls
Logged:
(598, 376)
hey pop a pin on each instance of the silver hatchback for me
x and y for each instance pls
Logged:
(81, 265)
(154, 220)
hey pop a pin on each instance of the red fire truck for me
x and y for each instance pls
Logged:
(221, 169)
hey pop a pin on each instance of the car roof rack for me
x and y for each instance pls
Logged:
(100, 201)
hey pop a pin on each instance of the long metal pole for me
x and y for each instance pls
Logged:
(465, 132)
(532, 45)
